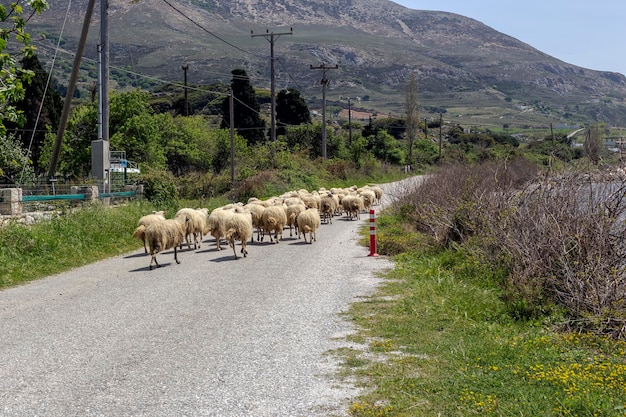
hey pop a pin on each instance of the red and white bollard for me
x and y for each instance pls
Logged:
(372, 234)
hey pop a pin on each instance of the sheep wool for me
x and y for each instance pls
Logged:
(292, 212)
(164, 235)
(216, 223)
(274, 220)
(308, 222)
(195, 226)
(239, 227)
(144, 221)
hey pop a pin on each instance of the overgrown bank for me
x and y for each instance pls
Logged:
(507, 298)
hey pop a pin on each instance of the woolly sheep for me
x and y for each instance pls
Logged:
(378, 191)
(239, 227)
(309, 221)
(292, 212)
(369, 197)
(329, 203)
(144, 221)
(163, 235)
(274, 220)
(352, 206)
(256, 212)
(195, 226)
(216, 223)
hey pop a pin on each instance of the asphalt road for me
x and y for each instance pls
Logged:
(211, 336)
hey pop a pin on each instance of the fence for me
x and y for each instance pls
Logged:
(13, 200)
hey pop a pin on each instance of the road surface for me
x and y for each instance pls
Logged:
(211, 336)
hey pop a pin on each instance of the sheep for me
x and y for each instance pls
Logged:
(329, 203)
(166, 234)
(239, 227)
(216, 223)
(274, 220)
(352, 206)
(292, 212)
(195, 226)
(378, 191)
(256, 211)
(309, 221)
(369, 197)
(144, 221)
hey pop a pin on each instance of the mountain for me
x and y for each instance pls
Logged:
(469, 71)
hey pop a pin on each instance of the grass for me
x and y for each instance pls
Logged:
(438, 342)
(68, 241)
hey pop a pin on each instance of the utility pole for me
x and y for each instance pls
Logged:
(271, 37)
(70, 91)
(440, 133)
(186, 102)
(349, 119)
(231, 110)
(324, 83)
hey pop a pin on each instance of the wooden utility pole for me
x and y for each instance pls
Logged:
(231, 110)
(186, 102)
(324, 83)
(70, 91)
(271, 37)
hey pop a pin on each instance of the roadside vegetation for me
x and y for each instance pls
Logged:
(507, 297)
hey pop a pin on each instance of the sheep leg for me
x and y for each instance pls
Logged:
(155, 262)
(231, 242)
(175, 256)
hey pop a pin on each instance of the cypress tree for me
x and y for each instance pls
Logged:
(248, 121)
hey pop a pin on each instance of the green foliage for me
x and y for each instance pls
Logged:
(385, 147)
(291, 110)
(38, 116)
(159, 188)
(248, 121)
(12, 77)
(15, 166)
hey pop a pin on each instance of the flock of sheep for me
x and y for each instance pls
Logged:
(301, 211)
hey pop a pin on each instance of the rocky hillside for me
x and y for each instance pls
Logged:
(464, 68)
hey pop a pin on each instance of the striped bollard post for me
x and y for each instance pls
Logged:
(372, 234)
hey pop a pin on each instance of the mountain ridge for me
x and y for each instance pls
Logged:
(461, 64)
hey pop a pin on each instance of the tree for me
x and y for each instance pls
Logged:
(412, 112)
(248, 120)
(594, 143)
(33, 132)
(291, 110)
(13, 19)
(15, 167)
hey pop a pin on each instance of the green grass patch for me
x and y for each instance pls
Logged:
(68, 241)
(439, 342)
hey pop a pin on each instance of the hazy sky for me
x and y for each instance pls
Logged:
(590, 34)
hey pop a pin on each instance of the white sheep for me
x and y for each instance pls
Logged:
(166, 234)
(195, 226)
(328, 206)
(144, 221)
(256, 211)
(292, 212)
(353, 206)
(369, 197)
(239, 227)
(274, 219)
(216, 223)
(378, 191)
(308, 222)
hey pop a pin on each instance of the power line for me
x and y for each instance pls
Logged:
(206, 30)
